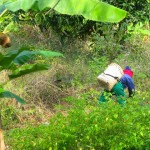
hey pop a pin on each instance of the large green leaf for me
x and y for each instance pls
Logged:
(6, 60)
(1, 56)
(8, 94)
(23, 57)
(20, 4)
(2, 8)
(26, 69)
(90, 9)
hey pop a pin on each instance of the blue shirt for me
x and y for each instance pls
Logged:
(128, 82)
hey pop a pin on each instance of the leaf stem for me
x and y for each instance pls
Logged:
(3, 12)
(52, 7)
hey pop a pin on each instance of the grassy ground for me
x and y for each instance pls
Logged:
(70, 76)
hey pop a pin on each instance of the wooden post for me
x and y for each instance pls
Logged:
(2, 144)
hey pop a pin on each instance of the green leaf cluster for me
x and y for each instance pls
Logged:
(17, 63)
(92, 10)
(88, 125)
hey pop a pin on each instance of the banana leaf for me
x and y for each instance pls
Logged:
(25, 56)
(8, 94)
(90, 9)
(21, 56)
(26, 69)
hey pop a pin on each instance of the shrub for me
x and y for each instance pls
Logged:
(89, 125)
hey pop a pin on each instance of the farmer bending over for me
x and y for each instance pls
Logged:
(126, 81)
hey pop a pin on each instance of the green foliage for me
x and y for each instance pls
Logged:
(9, 115)
(108, 44)
(26, 69)
(14, 58)
(76, 24)
(65, 25)
(89, 125)
(61, 21)
(8, 94)
(83, 123)
(16, 61)
(92, 10)
(98, 63)
(138, 10)
(5, 21)
(138, 29)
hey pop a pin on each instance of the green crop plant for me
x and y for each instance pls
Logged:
(18, 63)
(88, 125)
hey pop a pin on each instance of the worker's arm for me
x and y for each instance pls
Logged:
(131, 86)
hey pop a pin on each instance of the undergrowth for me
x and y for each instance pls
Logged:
(88, 125)
(62, 111)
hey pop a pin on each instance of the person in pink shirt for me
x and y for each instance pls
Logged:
(126, 81)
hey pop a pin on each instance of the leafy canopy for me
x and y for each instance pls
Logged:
(90, 9)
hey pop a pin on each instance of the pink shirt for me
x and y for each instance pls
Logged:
(128, 72)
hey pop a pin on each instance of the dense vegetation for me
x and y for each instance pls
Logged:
(62, 109)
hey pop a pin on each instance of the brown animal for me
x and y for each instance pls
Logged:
(4, 40)
(2, 144)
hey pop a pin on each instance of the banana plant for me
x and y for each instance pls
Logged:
(90, 9)
(16, 62)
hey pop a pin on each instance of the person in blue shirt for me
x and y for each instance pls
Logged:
(126, 81)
